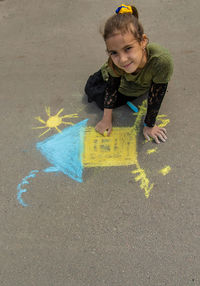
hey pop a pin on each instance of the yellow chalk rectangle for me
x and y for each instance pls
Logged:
(118, 149)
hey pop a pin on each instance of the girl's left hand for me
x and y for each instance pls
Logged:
(157, 133)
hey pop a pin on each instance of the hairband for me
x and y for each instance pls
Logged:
(124, 9)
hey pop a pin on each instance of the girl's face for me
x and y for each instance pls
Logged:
(126, 52)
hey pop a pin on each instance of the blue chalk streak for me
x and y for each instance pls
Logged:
(132, 106)
(25, 181)
(51, 170)
(20, 198)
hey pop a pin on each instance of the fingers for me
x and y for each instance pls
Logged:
(109, 131)
(147, 137)
(104, 127)
(101, 130)
(162, 135)
(156, 139)
(163, 129)
(98, 129)
(156, 133)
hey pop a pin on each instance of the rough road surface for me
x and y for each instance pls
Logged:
(103, 231)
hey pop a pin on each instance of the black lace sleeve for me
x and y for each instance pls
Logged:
(111, 92)
(155, 98)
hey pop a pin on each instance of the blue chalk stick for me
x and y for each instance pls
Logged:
(132, 106)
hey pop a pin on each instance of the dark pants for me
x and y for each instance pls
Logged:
(95, 90)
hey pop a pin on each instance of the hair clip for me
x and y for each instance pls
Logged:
(124, 9)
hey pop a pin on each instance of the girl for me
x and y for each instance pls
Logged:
(134, 67)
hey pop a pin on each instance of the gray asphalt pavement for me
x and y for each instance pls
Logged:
(103, 231)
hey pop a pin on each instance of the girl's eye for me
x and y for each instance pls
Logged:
(113, 53)
(128, 48)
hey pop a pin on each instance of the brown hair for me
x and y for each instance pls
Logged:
(123, 23)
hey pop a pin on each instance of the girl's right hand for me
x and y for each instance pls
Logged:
(104, 125)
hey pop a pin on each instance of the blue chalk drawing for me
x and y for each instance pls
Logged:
(25, 181)
(64, 152)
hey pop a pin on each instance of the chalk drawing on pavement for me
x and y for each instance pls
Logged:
(53, 121)
(79, 146)
(25, 181)
(165, 170)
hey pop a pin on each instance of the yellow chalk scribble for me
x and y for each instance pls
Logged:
(165, 170)
(164, 121)
(142, 177)
(150, 151)
(145, 183)
(54, 121)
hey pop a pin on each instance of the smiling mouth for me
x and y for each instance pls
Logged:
(126, 66)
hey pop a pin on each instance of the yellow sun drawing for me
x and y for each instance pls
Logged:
(54, 121)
